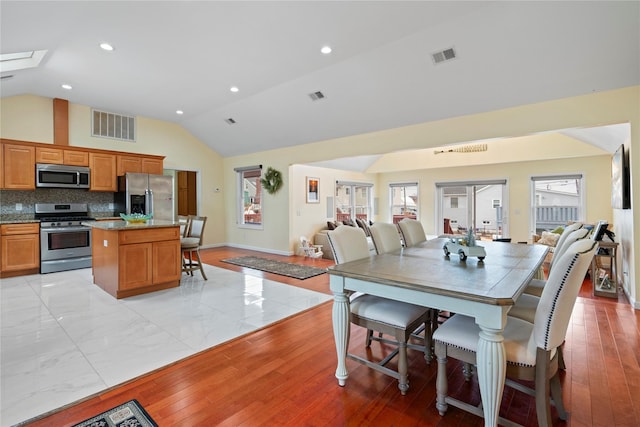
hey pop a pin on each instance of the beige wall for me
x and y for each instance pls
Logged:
(30, 118)
(597, 109)
(596, 172)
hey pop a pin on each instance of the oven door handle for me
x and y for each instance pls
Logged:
(66, 229)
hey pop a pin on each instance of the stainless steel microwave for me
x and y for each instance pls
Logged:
(62, 176)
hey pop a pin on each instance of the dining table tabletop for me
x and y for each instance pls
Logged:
(426, 275)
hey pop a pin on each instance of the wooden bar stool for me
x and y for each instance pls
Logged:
(190, 245)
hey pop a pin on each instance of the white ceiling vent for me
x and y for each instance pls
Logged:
(316, 96)
(444, 55)
(112, 125)
(230, 121)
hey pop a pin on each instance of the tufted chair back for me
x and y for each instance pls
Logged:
(560, 293)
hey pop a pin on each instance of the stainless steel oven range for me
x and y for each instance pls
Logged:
(65, 244)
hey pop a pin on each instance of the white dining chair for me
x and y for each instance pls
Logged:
(387, 316)
(576, 232)
(530, 348)
(412, 232)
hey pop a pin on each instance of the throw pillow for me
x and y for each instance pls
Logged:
(549, 238)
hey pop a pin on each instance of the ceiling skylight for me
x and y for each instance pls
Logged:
(20, 60)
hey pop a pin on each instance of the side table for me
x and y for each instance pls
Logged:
(604, 270)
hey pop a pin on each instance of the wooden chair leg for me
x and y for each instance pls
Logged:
(204, 276)
(543, 389)
(369, 337)
(442, 386)
(556, 395)
(403, 384)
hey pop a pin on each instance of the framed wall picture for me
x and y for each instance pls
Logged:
(313, 190)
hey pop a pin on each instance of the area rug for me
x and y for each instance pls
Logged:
(129, 414)
(288, 269)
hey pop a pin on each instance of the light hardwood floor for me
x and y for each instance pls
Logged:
(284, 375)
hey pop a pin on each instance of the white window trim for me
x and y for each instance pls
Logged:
(240, 200)
(582, 207)
(439, 187)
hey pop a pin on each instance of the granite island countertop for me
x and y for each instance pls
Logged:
(123, 225)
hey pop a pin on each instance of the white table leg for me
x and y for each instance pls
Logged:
(492, 366)
(341, 333)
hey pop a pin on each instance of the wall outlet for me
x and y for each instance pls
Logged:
(18, 206)
(112, 206)
(105, 243)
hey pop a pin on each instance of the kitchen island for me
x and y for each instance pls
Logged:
(135, 258)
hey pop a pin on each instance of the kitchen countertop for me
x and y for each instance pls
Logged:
(123, 225)
(17, 218)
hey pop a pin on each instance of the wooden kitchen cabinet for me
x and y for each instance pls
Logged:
(76, 158)
(103, 172)
(20, 251)
(139, 164)
(49, 155)
(133, 260)
(19, 167)
(151, 165)
(128, 164)
(58, 156)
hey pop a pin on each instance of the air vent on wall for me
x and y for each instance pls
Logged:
(444, 55)
(230, 121)
(316, 96)
(112, 125)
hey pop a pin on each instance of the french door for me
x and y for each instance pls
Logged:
(480, 206)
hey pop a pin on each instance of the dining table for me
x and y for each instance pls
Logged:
(425, 275)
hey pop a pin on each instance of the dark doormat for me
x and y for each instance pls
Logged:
(129, 414)
(296, 271)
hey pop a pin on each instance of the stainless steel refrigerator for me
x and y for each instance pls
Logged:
(147, 194)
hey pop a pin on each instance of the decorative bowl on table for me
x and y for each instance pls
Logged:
(135, 218)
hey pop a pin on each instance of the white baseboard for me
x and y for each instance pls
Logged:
(253, 248)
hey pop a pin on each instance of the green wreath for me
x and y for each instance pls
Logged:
(272, 180)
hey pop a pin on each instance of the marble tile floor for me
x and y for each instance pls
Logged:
(63, 338)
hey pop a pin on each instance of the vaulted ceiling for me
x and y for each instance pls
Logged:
(381, 74)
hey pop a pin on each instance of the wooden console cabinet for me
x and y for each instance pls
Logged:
(137, 258)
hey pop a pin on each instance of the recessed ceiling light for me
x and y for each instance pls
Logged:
(234, 89)
(179, 112)
(67, 87)
(326, 50)
(106, 46)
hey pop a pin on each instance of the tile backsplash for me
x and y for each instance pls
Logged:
(98, 201)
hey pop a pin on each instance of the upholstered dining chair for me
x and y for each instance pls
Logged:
(395, 318)
(190, 246)
(576, 232)
(412, 232)
(386, 237)
(530, 348)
